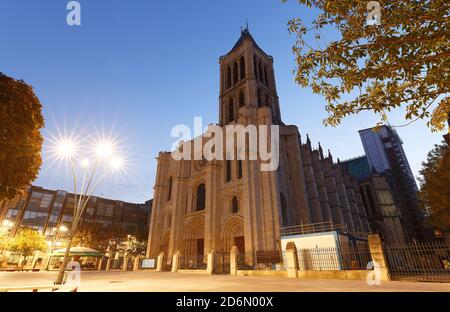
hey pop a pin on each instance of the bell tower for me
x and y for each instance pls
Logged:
(247, 79)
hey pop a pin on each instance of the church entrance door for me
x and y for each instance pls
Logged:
(239, 242)
(200, 247)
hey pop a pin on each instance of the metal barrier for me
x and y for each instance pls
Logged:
(420, 261)
(221, 263)
(167, 265)
(262, 260)
(117, 264)
(104, 263)
(311, 228)
(196, 262)
(130, 264)
(344, 258)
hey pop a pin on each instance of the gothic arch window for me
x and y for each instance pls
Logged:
(169, 189)
(239, 169)
(371, 203)
(235, 73)
(201, 197)
(261, 73)
(231, 111)
(265, 76)
(267, 100)
(259, 96)
(255, 64)
(241, 99)
(242, 65)
(228, 169)
(228, 77)
(283, 209)
(234, 205)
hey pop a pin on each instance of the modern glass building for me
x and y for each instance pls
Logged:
(385, 155)
(45, 210)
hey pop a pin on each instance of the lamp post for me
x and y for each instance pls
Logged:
(104, 158)
(61, 229)
(7, 224)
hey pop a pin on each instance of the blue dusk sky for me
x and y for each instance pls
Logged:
(138, 68)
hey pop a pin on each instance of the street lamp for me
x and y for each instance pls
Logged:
(104, 157)
(61, 229)
(7, 224)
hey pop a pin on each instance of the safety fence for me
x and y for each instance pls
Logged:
(130, 263)
(419, 261)
(221, 262)
(262, 260)
(344, 258)
(117, 264)
(193, 262)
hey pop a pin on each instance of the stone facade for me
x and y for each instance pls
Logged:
(201, 206)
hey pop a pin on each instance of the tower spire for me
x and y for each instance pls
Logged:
(245, 30)
(320, 151)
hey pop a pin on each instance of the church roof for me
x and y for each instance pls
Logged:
(245, 34)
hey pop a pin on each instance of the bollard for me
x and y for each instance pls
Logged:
(234, 260)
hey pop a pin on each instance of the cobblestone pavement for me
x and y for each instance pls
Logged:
(167, 281)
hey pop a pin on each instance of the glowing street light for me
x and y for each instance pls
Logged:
(66, 149)
(7, 224)
(85, 163)
(105, 157)
(116, 163)
(104, 150)
(61, 229)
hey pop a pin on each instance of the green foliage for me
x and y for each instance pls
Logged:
(131, 246)
(20, 138)
(435, 185)
(4, 237)
(402, 63)
(92, 236)
(27, 241)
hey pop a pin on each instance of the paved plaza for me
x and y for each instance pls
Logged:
(166, 282)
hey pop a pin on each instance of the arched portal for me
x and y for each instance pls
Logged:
(194, 237)
(233, 233)
(165, 241)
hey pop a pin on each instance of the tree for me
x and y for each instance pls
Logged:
(20, 138)
(83, 237)
(435, 185)
(27, 241)
(92, 235)
(131, 246)
(4, 238)
(403, 62)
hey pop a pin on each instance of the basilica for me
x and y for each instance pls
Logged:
(201, 206)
